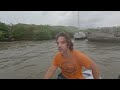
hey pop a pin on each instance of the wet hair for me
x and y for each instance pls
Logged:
(67, 37)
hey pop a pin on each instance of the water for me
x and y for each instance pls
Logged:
(31, 59)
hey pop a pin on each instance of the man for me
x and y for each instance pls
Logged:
(70, 61)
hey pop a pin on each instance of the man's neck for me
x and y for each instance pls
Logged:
(67, 54)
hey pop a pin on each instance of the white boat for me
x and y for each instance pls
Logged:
(88, 74)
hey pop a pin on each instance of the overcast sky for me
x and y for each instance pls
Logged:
(87, 19)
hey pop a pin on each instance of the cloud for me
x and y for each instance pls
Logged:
(70, 18)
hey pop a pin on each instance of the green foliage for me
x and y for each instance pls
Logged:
(33, 32)
(42, 35)
(3, 27)
(22, 33)
(1, 36)
(4, 32)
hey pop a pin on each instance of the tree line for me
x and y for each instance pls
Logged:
(20, 31)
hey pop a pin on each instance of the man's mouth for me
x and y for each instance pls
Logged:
(59, 49)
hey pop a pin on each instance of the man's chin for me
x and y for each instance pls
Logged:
(61, 52)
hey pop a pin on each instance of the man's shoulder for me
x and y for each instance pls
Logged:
(58, 54)
(77, 52)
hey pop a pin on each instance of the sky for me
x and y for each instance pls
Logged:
(82, 19)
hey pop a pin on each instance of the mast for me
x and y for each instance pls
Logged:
(78, 19)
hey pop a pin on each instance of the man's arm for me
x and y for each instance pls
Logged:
(89, 64)
(50, 72)
(95, 70)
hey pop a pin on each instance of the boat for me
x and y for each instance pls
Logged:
(88, 74)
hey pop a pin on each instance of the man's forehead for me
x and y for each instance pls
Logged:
(61, 39)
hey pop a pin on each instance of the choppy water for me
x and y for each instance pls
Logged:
(31, 59)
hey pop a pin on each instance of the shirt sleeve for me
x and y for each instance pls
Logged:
(84, 60)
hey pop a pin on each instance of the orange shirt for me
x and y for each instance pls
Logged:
(72, 67)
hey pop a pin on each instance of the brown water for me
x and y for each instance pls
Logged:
(31, 59)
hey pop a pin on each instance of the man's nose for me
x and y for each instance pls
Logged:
(59, 45)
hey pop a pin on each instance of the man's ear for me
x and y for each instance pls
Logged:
(68, 45)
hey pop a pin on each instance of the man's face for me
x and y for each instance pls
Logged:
(62, 44)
